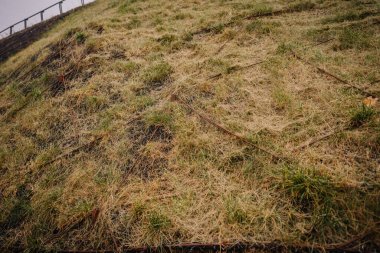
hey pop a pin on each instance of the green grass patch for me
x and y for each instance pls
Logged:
(107, 117)
(182, 16)
(353, 38)
(348, 16)
(158, 222)
(127, 67)
(80, 37)
(32, 95)
(216, 28)
(330, 208)
(242, 6)
(142, 102)
(157, 74)
(71, 32)
(319, 35)
(167, 39)
(361, 116)
(159, 118)
(44, 215)
(261, 9)
(284, 48)
(281, 99)
(126, 7)
(307, 188)
(262, 28)
(234, 213)
(94, 103)
(133, 23)
(219, 65)
(302, 6)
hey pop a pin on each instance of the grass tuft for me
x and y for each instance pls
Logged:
(261, 9)
(284, 48)
(158, 222)
(80, 37)
(71, 32)
(307, 188)
(127, 67)
(159, 118)
(215, 28)
(349, 16)
(302, 6)
(167, 39)
(361, 116)
(157, 74)
(219, 65)
(281, 99)
(138, 210)
(353, 38)
(262, 28)
(134, 23)
(234, 213)
(126, 7)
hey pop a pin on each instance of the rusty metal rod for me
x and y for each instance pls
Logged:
(275, 246)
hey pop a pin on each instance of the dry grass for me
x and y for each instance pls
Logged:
(158, 173)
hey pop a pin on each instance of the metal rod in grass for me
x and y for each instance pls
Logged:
(243, 139)
(329, 74)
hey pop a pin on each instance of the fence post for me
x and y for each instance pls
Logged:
(82, 1)
(25, 23)
(42, 15)
(60, 7)
(11, 30)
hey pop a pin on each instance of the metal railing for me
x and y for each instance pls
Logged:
(41, 13)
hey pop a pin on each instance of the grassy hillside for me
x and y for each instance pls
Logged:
(135, 123)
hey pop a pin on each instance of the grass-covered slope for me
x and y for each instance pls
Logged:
(150, 122)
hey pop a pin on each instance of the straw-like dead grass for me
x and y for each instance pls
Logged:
(95, 153)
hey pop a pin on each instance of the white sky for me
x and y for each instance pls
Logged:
(12, 11)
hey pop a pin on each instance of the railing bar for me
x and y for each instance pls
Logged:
(53, 5)
(10, 27)
(46, 8)
(34, 15)
(38, 13)
(60, 7)
(17, 23)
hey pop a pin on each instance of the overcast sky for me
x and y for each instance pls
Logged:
(12, 11)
